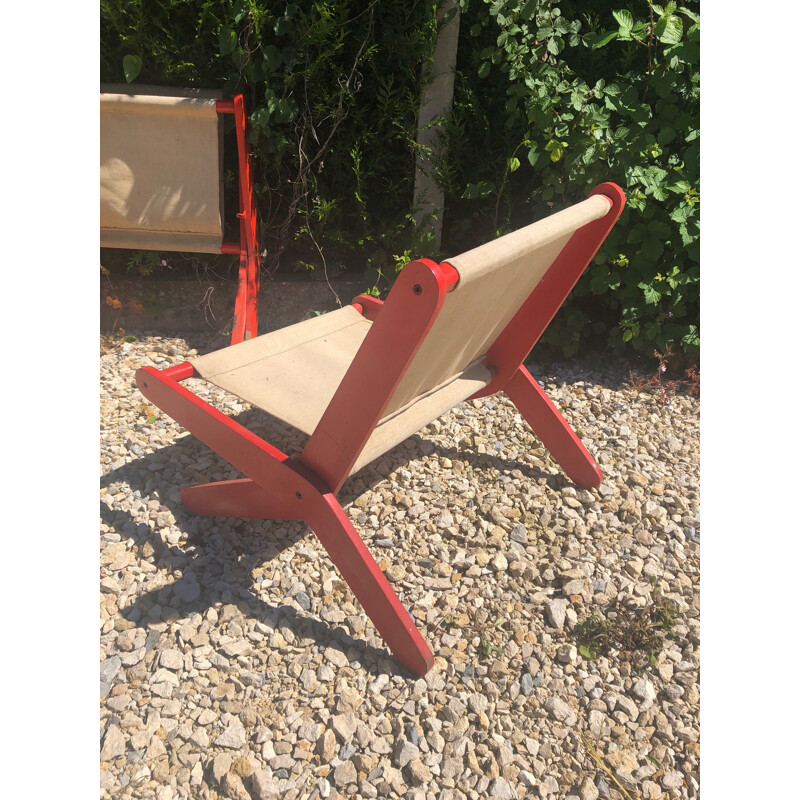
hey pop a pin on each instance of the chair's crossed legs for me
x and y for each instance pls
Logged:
(281, 488)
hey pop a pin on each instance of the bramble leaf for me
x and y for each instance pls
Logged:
(625, 20)
(669, 29)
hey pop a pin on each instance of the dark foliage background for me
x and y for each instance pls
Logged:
(549, 101)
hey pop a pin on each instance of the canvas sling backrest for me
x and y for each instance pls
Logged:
(495, 279)
(160, 170)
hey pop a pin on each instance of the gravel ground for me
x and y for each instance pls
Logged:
(236, 663)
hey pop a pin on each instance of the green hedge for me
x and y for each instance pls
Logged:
(332, 93)
(567, 97)
(549, 101)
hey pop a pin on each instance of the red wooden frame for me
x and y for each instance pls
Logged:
(245, 320)
(277, 487)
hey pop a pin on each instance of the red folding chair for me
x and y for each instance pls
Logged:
(161, 181)
(364, 378)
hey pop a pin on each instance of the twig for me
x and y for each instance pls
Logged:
(600, 763)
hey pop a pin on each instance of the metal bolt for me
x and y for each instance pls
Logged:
(417, 289)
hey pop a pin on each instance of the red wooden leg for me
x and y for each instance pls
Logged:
(298, 495)
(242, 498)
(369, 584)
(553, 430)
(240, 305)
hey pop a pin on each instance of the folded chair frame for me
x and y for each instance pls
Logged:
(245, 313)
(304, 488)
(245, 322)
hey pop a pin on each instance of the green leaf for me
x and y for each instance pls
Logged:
(556, 149)
(652, 248)
(513, 164)
(284, 110)
(666, 135)
(659, 193)
(533, 155)
(651, 296)
(529, 9)
(131, 66)
(272, 57)
(669, 29)
(483, 70)
(239, 11)
(692, 339)
(624, 18)
(588, 652)
(227, 40)
(691, 14)
(605, 39)
(260, 117)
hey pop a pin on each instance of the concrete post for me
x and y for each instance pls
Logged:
(436, 101)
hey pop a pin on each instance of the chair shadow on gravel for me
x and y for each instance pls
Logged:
(217, 547)
(219, 553)
(206, 589)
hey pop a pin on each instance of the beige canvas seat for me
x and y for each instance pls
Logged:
(294, 373)
(362, 379)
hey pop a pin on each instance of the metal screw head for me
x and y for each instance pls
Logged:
(298, 495)
(417, 289)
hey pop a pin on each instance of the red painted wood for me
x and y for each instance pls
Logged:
(243, 449)
(520, 335)
(378, 366)
(249, 220)
(297, 494)
(368, 306)
(552, 429)
(245, 325)
(224, 106)
(179, 372)
(242, 498)
(359, 570)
